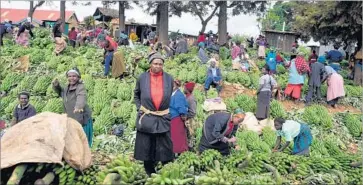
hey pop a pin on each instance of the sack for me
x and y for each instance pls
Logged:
(215, 104)
(236, 64)
(22, 64)
(250, 122)
(20, 145)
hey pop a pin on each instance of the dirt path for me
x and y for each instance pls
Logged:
(231, 90)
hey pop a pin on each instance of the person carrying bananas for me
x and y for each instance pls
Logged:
(60, 43)
(75, 105)
(219, 130)
(293, 131)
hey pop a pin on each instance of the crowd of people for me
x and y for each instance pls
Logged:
(165, 120)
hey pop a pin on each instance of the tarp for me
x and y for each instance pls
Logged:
(46, 138)
(251, 123)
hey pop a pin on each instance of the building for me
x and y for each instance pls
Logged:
(280, 39)
(140, 28)
(40, 17)
(105, 14)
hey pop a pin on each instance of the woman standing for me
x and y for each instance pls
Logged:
(297, 70)
(267, 84)
(293, 131)
(25, 30)
(178, 111)
(60, 43)
(192, 111)
(152, 98)
(261, 42)
(75, 101)
(335, 84)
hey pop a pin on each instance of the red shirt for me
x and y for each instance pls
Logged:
(201, 38)
(113, 44)
(72, 35)
(230, 127)
(278, 58)
(156, 88)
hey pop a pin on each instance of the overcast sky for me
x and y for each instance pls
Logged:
(242, 24)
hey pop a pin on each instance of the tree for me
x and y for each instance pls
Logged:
(282, 12)
(238, 7)
(89, 22)
(163, 10)
(201, 9)
(63, 12)
(329, 21)
(32, 8)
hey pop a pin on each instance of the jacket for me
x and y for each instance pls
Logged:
(216, 126)
(75, 97)
(317, 73)
(142, 97)
(210, 73)
(178, 104)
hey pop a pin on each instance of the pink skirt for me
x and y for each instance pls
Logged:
(178, 135)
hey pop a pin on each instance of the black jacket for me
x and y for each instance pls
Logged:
(142, 96)
(216, 126)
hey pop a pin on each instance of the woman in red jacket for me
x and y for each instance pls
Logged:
(201, 37)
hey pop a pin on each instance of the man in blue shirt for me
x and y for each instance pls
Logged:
(335, 57)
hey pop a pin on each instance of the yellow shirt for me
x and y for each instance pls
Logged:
(133, 37)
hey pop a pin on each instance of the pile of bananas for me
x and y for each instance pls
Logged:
(255, 165)
(232, 76)
(353, 91)
(244, 79)
(124, 91)
(332, 144)
(122, 110)
(265, 178)
(54, 105)
(25, 85)
(10, 80)
(112, 87)
(318, 148)
(202, 74)
(130, 172)
(208, 158)
(318, 115)
(323, 164)
(66, 174)
(216, 176)
(354, 124)
(88, 83)
(104, 121)
(237, 158)
(183, 75)
(269, 136)
(172, 173)
(252, 140)
(246, 103)
(277, 110)
(88, 177)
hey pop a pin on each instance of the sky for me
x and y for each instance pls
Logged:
(188, 24)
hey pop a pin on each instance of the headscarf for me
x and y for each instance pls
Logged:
(155, 55)
(201, 44)
(301, 66)
(29, 19)
(76, 71)
(189, 86)
(321, 59)
(239, 113)
(329, 70)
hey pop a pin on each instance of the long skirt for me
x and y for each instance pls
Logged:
(153, 147)
(263, 104)
(60, 45)
(261, 51)
(335, 87)
(178, 135)
(294, 90)
(358, 74)
(302, 141)
(23, 39)
(88, 130)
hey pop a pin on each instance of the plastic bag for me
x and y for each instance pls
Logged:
(118, 130)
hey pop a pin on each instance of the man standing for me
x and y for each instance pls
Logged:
(23, 110)
(315, 77)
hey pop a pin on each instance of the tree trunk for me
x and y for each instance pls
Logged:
(63, 13)
(121, 15)
(222, 23)
(157, 23)
(31, 9)
(204, 26)
(164, 22)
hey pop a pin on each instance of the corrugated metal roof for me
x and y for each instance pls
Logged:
(17, 15)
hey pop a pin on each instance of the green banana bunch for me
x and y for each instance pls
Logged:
(27, 83)
(208, 157)
(231, 104)
(131, 123)
(54, 105)
(40, 87)
(232, 77)
(255, 77)
(318, 148)
(183, 75)
(50, 93)
(189, 159)
(4, 103)
(216, 176)
(10, 107)
(192, 76)
(269, 136)
(88, 82)
(318, 115)
(202, 74)
(100, 85)
(172, 173)
(277, 110)
(236, 159)
(354, 124)
(130, 172)
(88, 177)
(123, 111)
(124, 91)
(38, 102)
(100, 100)
(10, 80)
(255, 165)
(247, 103)
(323, 164)
(332, 145)
(66, 174)
(103, 121)
(353, 91)
(112, 87)
(244, 79)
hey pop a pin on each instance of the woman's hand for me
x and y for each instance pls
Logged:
(232, 140)
(275, 150)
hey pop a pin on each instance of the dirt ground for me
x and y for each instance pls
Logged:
(231, 90)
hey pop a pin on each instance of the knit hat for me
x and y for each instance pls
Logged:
(189, 86)
(155, 55)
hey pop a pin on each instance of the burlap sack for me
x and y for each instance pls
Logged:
(251, 123)
(22, 64)
(46, 138)
(214, 106)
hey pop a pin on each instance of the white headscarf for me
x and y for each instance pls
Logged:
(29, 19)
(329, 70)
